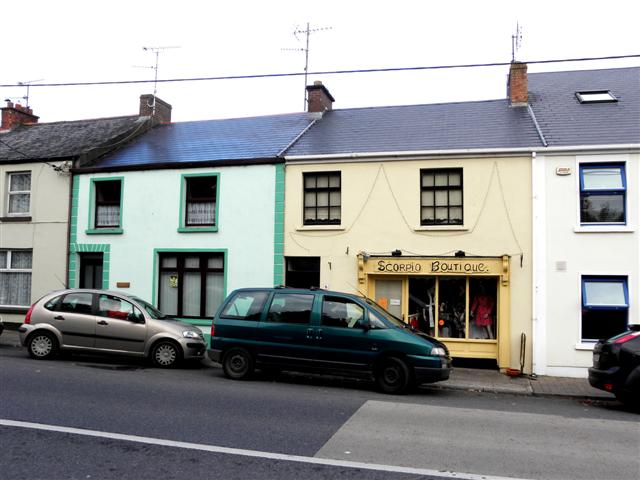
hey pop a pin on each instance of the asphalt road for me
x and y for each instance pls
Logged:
(92, 418)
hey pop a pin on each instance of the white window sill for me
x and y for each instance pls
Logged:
(604, 229)
(441, 228)
(585, 346)
(320, 228)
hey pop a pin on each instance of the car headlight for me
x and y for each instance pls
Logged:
(191, 334)
(438, 352)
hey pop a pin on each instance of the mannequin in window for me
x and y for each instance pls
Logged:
(482, 311)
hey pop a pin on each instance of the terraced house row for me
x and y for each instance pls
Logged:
(506, 228)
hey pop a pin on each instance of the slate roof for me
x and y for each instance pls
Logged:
(489, 124)
(445, 126)
(66, 140)
(565, 121)
(228, 140)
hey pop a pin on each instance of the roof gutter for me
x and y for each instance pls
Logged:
(183, 165)
(465, 152)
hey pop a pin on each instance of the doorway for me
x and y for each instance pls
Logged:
(91, 266)
(302, 272)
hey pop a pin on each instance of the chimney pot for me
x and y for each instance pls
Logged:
(14, 115)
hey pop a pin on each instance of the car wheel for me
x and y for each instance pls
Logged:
(42, 345)
(237, 363)
(166, 354)
(629, 399)
(393, 375)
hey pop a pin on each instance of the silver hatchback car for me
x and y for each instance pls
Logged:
(102, 321)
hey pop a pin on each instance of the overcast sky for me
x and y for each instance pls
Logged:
(86, 41)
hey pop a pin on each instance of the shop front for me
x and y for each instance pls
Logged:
(462, 301)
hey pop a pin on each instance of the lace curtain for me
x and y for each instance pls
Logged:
(108, 216)
(201, 213)
(15, 288)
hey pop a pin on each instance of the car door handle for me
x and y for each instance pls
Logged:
(103, 322)
(59, 317)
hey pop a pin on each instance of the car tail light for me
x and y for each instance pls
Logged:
(627, 337)
(213, 330)
(27, 318)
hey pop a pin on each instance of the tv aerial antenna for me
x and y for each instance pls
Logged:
(307, 33)
(27, 84)
(516, 41)
(156, 51)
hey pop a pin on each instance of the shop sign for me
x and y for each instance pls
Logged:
(439, 266)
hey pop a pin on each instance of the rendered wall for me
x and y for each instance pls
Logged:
(572, 251)
(151, 211)
(45, 233)
(381, 213)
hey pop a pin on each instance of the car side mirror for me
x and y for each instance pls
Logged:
(364, 325)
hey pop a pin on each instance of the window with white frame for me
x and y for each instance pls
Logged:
(19, 194)
(15, 277)
(603, 192)
(605, 306)
(108, 203)
(596, 96)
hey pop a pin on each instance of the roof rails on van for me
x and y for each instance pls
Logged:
(287, 286)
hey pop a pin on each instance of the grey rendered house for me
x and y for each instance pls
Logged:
(35, 187)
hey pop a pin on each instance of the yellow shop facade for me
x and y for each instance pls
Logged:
(365, 226)
(463, 301)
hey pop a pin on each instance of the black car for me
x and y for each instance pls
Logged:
(616, 366)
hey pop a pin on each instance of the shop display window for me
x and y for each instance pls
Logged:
(454, 307)
(451, 308)
(482, 308)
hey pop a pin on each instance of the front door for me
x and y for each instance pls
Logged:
(91, 270)
(119, 325)
(389, 296)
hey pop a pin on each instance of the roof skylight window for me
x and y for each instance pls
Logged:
(596, 96)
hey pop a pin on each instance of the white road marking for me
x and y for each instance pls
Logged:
(248, 453)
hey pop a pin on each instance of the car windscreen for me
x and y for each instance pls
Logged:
(152, 311)
(386, 315)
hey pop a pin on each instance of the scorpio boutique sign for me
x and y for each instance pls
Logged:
(435, 266)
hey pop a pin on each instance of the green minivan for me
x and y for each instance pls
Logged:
(320, 331)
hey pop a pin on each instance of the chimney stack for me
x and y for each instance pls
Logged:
(518, 85)
(162, 109)
(14, 115)
(319, 100)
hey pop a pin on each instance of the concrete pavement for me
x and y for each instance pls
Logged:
(471, 379)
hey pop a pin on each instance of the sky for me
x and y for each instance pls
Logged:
(67, 41)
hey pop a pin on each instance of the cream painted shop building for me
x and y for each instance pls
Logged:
(446, 213)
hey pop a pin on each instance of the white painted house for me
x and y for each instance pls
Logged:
(586, 202)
